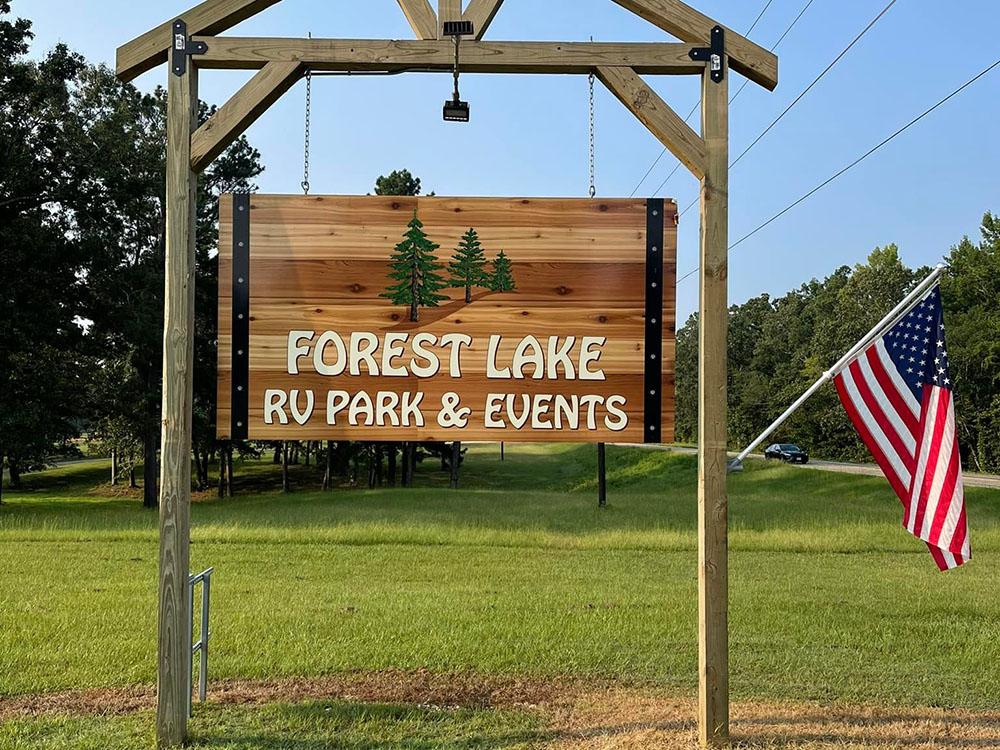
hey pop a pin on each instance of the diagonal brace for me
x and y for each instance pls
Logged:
(669, 128)
(421, 17)
(481, 13)
(241, 111)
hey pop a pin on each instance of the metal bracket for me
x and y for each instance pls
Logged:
(240, 401)
(653, 350)
(458, 28)
(182, 47)
(713, 55)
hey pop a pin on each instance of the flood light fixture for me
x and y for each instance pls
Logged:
(455, 110)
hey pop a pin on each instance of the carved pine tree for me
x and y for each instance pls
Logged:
(416, 272)
(468, 266)
(502, 278)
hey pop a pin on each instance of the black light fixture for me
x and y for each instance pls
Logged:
(455, 110)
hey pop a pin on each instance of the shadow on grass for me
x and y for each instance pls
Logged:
(331, 724)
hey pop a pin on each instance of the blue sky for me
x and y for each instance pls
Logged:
(528, 134)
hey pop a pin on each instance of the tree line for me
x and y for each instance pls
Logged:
(82, 225)
(82, 222)
(780, 346)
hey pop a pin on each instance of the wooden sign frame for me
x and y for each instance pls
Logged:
(584, 342)
(707, 49)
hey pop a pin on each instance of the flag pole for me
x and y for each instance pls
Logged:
(890, 319)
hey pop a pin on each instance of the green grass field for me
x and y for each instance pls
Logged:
(516, 574)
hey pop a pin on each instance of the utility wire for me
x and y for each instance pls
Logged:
(781, 38)
(857, 161)
(695, 107)
(797, 99)
(664, 151)
(816, 80)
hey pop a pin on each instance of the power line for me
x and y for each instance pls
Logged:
(816, 80)
(797, 99)
(695, 107)
(857, 161)
(664, 151)
(781, 38)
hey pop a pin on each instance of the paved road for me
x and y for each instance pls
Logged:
(990, 481)
(971, 480)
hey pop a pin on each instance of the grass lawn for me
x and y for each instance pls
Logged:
(517, 574)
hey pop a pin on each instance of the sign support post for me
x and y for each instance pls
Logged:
(174, 648)
(280, 62)
(713, 507)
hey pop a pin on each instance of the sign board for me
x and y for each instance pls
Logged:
(439, 319)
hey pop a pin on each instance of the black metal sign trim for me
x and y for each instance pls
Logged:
(653, 352)
(241, 317)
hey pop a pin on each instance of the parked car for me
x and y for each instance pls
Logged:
(787, 452)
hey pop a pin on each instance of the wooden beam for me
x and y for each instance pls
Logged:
(209, 18)
(173, 638)
(448, 10)
(713, 504)
(421, 17)
(439, 55)
(688, 25)
(236, 115)
(481, 13)
(657, 116)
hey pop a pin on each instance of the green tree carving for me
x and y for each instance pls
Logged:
(468, 266)
(502, 278)
(415, 270)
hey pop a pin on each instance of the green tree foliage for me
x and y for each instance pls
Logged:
(502, 278)
(82, 228)
(397, 182)
(119, 221)
(779, 347)
(971, 295)
(42, 365)
(468, 266)
(415, 270)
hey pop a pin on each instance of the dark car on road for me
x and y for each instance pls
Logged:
(787, 452)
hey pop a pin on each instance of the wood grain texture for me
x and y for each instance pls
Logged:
(247, 53)
(320, 263)
(174, 645)
(421, 18)
(713, 506)
(208, 18)
(481, 13)
(448, 10)
(690, 25)
(241, 111)
(669, 127)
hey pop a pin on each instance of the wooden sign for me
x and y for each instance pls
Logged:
(392, 318)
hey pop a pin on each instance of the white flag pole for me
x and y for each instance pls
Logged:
(889, 320)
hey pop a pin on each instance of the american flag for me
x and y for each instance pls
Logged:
(898, 394)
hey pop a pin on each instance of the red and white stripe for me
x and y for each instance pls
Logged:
(914, 444)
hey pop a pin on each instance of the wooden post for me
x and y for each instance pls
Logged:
(713, 519)
(448, 10)
(602, 477)
(174, 648)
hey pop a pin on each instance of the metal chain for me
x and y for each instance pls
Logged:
(593, 170)
(305, 165)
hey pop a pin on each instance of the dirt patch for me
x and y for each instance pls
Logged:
(419, 687)
(579, 715)
(627, 719)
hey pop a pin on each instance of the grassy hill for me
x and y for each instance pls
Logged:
(517, 574)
